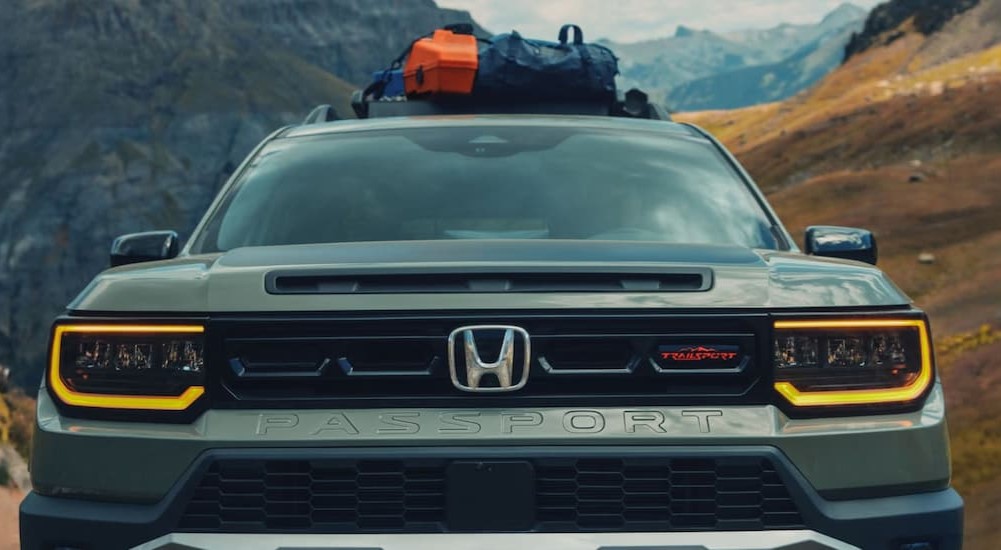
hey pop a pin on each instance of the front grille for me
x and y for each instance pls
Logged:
(405, 361)
(334, 497)
(571, 494)
(663, 495)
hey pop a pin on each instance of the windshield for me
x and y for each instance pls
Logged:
(488, 182)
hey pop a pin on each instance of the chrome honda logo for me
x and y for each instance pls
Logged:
(468, 377)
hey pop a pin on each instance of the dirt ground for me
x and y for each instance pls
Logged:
(10, 499)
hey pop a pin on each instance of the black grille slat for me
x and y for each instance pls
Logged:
(319, 496)
(666, 495)
(367, 496)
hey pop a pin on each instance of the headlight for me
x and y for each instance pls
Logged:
(138, 367)
(852, 362)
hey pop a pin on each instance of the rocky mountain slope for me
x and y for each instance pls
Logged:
(349, 38)
(905, 139)
(697, 69)
(126, 115)
(925, 16)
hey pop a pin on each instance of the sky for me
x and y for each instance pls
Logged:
(634, 20)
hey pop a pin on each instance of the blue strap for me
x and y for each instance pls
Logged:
(578, 38)
(578, 42)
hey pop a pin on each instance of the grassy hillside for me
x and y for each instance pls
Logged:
(911, 150)
(930, 115)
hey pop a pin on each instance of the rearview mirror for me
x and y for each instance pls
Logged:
(841, 242)
(144, 247)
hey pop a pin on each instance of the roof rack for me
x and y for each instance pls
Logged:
(631, 104)
(322, 113)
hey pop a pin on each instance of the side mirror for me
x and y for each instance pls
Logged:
(841, 242)
(144, 247)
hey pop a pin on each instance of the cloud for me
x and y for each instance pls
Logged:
(635, 20)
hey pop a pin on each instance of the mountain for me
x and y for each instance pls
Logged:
(697, 69)
(349, 38)
(905, 139)
(887, 21)
(947, 34)
(785, 39)
(768, 82)
(127, 115)
(658, 65)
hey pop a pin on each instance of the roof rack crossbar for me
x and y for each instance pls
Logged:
(632, 104)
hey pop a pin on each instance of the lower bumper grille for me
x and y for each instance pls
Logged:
(642, 494)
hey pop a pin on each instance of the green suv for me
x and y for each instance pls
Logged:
(492, 331)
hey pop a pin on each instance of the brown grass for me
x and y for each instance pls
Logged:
(928, 114)
(843, 154)
(983, 508)
(22, 411)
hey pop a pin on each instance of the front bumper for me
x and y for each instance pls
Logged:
(876, 482)
(922, 521)
(842, 458)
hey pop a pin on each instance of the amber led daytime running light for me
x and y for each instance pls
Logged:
(109, 401)
(909, 392)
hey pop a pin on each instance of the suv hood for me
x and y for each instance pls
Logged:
(236, 281)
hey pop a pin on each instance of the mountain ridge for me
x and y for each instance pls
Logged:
(926, 16)
(767, 82)
(693, 69)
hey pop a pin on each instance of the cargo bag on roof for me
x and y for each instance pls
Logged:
(513, 67)
(442, 62)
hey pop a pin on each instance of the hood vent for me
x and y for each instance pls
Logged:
(485, 281)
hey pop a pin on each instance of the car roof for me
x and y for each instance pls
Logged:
(528, 121)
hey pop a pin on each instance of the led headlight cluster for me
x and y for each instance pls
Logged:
(141, 367)
(852, 362)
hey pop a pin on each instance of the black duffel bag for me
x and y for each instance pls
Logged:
(513, 67)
